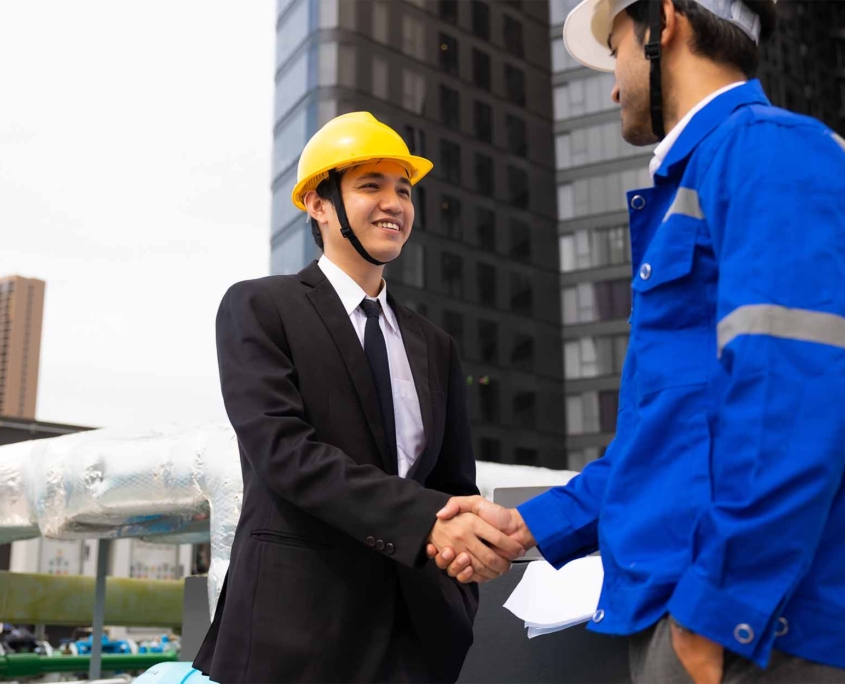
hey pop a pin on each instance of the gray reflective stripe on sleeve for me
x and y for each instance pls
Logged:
(839, 139)
(686, 203)
(778, 321)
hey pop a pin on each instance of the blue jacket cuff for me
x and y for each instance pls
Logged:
(557, 540)
(722, 617)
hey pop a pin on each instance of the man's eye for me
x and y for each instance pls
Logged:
(406, 193)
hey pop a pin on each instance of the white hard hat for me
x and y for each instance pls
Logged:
(588, 26)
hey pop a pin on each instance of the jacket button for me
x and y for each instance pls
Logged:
(389, 548)
(743, 633)
(598, 616)
(645, 271)
(638, 202)
(379, 545)
(783, 627)
(371, 541)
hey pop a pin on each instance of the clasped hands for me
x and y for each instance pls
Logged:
(475, 540)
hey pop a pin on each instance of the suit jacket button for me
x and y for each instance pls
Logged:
(371, 541)
(380, 545)
(389, 548)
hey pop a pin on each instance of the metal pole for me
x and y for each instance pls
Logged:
(99, 608)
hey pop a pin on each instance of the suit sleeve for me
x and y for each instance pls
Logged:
(260, 392)
(454, 473)
(774, 204)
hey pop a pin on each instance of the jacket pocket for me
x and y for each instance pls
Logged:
(287, 539)
(669, 321)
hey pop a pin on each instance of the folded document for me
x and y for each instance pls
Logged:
(550, 600)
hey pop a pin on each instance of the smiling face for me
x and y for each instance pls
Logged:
(632, 88)
(377, 199)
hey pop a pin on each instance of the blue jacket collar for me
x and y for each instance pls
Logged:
(707, 120)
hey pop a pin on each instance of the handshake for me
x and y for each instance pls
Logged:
(475, 540)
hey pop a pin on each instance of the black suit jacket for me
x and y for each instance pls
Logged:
(328, 544)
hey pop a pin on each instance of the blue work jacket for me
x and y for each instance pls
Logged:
(721, 500)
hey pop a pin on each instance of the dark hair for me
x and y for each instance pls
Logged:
(715, 38)
(324, 192)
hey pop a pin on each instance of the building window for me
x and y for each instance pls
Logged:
(481, 19)
(448, 10)
(450, 217)
(488, 342)
(450, 161)
(583, 96)
(481, 69)
(522, 353)
(518, 187)
(410, 266)
(512, 32)
(591, 357)
(420, 206)
(602, 301)
(453, 323)
(380, 78)
(515, 85)
(561, 59)
(486, 284)
(448, 54)
(525, 456)
(413, 38)
(450, 107)
(522, 296)
(381, 21)
(413, 91)
(452, 270)
(490, 450)
(485, 226)
(484, 179)
(488, 400)
(593, 144)
(599, 194)
(516, 135)
(415, 139)
(525, 410)
(483, 120)
(520, 241)
(578, 460)
(593, 249)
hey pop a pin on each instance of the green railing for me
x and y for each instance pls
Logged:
(32, 665)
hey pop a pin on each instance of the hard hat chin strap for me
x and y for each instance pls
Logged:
(345, 228)
(652, 53)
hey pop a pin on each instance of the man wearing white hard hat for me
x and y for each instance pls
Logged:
(719, 509)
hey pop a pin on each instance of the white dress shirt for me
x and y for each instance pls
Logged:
(410, 436)
(662, 150)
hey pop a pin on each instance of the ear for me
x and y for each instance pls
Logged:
(670, 23)
(318, 208)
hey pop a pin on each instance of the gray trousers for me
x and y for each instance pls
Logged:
(653, 661)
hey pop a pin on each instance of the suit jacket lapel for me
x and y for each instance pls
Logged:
(417, 351)
(331, 310)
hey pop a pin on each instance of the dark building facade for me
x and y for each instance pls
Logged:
(467, 85)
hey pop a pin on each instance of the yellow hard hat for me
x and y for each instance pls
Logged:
(349, 140)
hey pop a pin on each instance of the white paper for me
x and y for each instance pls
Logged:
(550, 600)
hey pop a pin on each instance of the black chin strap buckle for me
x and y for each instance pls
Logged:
(652, 51)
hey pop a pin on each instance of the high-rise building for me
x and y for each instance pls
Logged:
(467, 84)
(21, 313)
(595, 168)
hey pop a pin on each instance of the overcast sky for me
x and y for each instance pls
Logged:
(135, 152)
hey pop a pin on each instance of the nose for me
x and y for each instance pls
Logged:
(390, 202)
(614, 94)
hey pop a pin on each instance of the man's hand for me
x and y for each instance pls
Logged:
(703, 659)
(461, 565)
(490, 549)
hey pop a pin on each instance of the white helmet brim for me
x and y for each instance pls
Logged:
(587, 29)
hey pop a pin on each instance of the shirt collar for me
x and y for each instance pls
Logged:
(351, 293)
(663, 148)
(700, 122)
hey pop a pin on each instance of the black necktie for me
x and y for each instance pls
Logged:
(376, 350)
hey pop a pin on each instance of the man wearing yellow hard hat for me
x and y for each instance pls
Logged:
(719, 507)
(350, 413)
